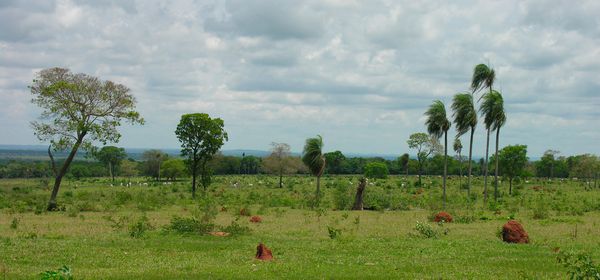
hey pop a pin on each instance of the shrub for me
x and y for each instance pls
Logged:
(342, 195)
(425, 230)
(236, 229)
(376, 170)
(189, 225)
(139, 228)
(579, 266)
(334, 232)
(14, 224)
(63, 273)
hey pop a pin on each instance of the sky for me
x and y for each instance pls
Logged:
(359, 73)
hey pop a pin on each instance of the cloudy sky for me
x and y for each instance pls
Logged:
(360, 73)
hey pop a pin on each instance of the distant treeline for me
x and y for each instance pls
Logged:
(158, 165)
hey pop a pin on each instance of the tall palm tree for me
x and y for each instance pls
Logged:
(437, 125)
(313, 158)
(499, 120)
(458, 149)
(490, 109)
(465, 119)
(484, 77)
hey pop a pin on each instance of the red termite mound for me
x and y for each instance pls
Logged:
(513, 232)
(442, 216)
(255, 219)
(263, 253)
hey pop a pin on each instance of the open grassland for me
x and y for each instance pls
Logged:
(93, 235)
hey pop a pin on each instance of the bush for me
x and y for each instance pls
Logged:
(63, 273)
(376, 170)
(334, 232)
(342, 195)
(236, 229)
(425, 230)
(579, 266)
(139, 228)
(189, 225)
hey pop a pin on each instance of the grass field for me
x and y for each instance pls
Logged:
(93, 235)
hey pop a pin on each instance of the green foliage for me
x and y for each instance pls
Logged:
(112, 157)
(483, 76)
(425, 230)
(334, 233)
(342, 195)
(376, 170)
(465, 116)
(492, 109)
(313, 157)
(173, 168)
(236, 229)
(14, 224)
(139, 227)
(63, 273)
(579, 266)
(437, 123)
(189, 225)
(512, 160)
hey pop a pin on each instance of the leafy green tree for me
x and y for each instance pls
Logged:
(201, 138)
(376, 170)
(424, 145)
(312, 157)
(334, 162)
(112, 157)
(492, 110)
(465, 120)
(173, 168)
(403, 160)
(512, 161)
(545, 167)
(129, 168)
(78, 109)
(586, 167)
(437, 125)
(250, 164)
(278, 162)
(153, 160)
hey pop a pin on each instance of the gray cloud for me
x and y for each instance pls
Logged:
(359, 73)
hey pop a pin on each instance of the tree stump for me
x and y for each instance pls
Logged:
(358, 200)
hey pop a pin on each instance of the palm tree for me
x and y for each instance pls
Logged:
(484, 77)
(499, 117)
(465, 119)
(314, 159)
(491, 109)
(437, 125)
(457, 149)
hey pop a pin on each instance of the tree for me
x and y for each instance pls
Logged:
(512, 160)
(360, 190)
(465, 119)
(334, 162)
(112, 157)
(250, 164)
(376, 170)
(549, 158)
(78, 109)
(483, 77)
(586, 166)
(437, 125)
(201, 137)
(129, 169)
(278, 161)
(153, 160)
(314, 160)
(492, 110)
(403, 160)
(173, 168)
(424, 145)
(457, 149)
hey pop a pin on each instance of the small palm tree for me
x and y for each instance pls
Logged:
(483, 77)
(465, 119)
(458, 149)
(437, 125)
(313, 158)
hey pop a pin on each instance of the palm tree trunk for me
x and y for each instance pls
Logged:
(63, 170)
(318, 192)
(460, 171)
(487, 148)
(470, 156)
(358, 200)
(510, 186)
(445, 166)
(496, 171)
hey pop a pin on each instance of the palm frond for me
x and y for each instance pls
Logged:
(312, 155)
(465, 116)
(492, 110)
(437, 123)
(457, 145)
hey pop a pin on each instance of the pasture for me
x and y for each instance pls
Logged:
(121, 232)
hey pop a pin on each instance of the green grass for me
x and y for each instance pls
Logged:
(372, 244)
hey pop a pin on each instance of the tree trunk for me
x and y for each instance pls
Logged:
(497, 161)
(470, 155)
(280, 178)
(510, 186)
(487, 148)
(194, 175)
(358, 200)
(111, 172)
(460, 171)
(445, 166)
(318, 192)
(420, 171)
(63, 170)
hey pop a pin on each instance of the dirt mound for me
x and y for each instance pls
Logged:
(513, 232)
(219, 233)
(442, 216)
(255, 219)
(263, 253)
